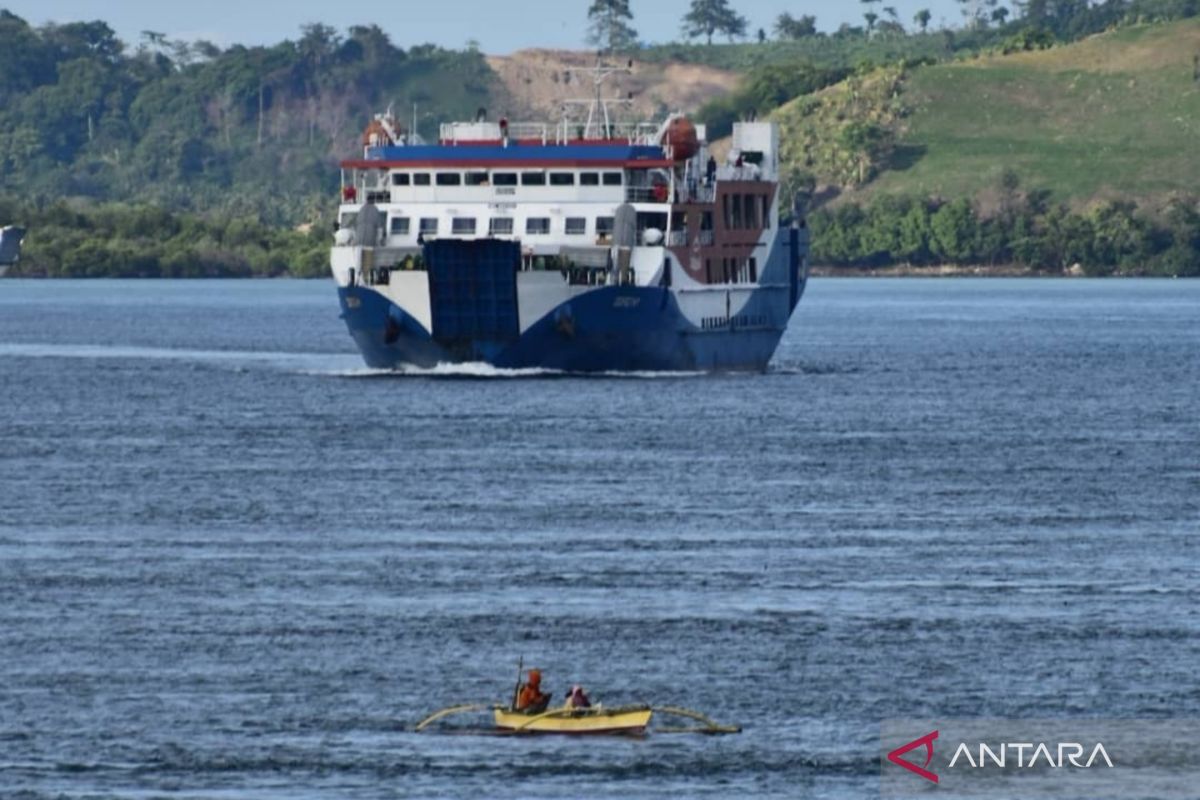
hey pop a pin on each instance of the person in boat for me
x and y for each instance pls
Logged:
(577, 698)
(531, 699)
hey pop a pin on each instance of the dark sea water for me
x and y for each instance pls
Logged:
(235, 564)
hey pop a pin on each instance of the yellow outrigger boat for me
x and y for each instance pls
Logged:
(629, 720)
(618, 720)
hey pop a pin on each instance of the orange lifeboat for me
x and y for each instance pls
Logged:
(376, 135)
(681, 137)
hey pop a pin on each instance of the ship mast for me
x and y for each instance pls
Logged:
(598, 104)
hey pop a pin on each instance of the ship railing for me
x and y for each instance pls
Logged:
(647, 194)
(567, 131)
(697, 193)
(705, 238)
(746, 172)
(677, 239)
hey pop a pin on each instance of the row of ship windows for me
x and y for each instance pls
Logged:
(499, 226)
(483, 178)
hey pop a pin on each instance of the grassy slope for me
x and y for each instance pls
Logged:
(822, 51)
(1114, 115)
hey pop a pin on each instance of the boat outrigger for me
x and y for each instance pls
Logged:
(633, 720)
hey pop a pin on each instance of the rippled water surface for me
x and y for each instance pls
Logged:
(234, 563)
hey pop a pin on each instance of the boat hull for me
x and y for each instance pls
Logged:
(608, 329)
(617, 721)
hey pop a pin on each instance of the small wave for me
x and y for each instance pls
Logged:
(316, 363)
(479, 370)
(796, 368)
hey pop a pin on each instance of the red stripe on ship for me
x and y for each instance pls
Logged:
(516, 163)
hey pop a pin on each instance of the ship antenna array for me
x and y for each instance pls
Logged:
(598, 104)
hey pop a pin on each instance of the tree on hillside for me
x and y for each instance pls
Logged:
(922, 18)
(892, 26)
(1000, 15)
(788, 27)
(609, 25)
(870, 16)
(707, 17)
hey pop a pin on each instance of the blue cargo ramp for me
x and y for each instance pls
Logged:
(473, 291)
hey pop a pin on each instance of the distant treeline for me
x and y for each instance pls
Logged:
(192, 126)
(1025, 230)
(122, 241)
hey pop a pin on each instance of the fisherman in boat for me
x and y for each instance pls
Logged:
(531, 699)
(577, 698)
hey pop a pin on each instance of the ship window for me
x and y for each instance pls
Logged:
(766, 210)
(750, 210)
(708, 276)
(538, 226)
(754, 270)
(400, 226)
(589, 179)
(533, 179)
(612, 179)
(562, 178)
(476, 179)
(421, 179)
(449, 179)
(463, 226)
(604, 226)
(504, 178)
(737, 211)
(429, 225)
(400, 179)
(576, 226)
(500, 226)
(725, 214)
(706, 221)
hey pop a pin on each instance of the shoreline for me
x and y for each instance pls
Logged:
(947, 271)
(944, 271)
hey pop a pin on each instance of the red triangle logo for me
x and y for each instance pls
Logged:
(927, 740)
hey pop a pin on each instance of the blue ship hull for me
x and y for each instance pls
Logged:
(586, 334)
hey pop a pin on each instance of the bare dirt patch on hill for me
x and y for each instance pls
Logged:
(536, 82)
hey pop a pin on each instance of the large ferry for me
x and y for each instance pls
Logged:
(583, 245)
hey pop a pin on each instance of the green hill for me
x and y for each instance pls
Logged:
(244, 130)
(1114, 116)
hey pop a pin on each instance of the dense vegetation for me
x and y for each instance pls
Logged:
(1027, 230)
(146, 241)
(245, 131)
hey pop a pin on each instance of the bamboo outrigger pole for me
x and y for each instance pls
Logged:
(445, 712)
(710, 725)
